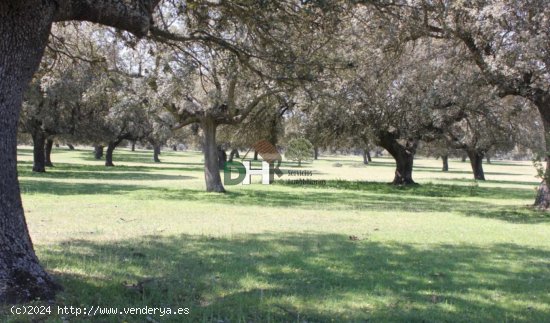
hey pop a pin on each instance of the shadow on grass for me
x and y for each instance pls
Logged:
(305, 277)
(348, 196)
(25, 169)
(534, 184)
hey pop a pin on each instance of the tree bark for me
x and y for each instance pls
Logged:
(365, 156)
(369, 158)
(24, 30)
(98, 152)
(476, 160)
(403, 156)
(133, 145)
(316, 153)
(542, 102)
(463, 158)
(445, 159)
(488, 158)
(71, 147)
(109, 155)
(255, 155)
(222, 158)
(48, 152)
(156, 153)
(211, 167)
(234, 154)
(39, 155)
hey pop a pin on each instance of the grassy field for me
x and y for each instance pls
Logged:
(356, 249)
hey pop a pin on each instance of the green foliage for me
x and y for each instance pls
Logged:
(299, 150)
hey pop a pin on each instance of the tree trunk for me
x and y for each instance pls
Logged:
(488, 158)
(365, 156)
(98, 152)
(542, 102)
(476, 160)
(222, 158)
(48, 157)
(133, 145)
(109, 155)
(403, 155)
(156, 153)
(175, 147)
(71, 147)
(255, 155)
(316, 153)
(445, 159)
(463, 158)
(39, 155)
(234, 154)
(24, 30)
(211, 168)
(369, 158)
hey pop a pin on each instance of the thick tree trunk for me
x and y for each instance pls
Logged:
(542, 102)
(24, 30)
(316, 153)
(109, 154)
(445, 159)
(39, 155)
(156, 153)
(48, 157)
(98, 152)
(403, 155)
(71, 147)
(476, 160)
(365, 156)
(211, 167)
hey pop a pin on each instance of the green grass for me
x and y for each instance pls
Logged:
(145, 234)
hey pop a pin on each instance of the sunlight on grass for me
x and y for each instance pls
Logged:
(355, 249)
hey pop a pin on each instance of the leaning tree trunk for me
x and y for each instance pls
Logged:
(39, 155)
(24, 31)
(365, 156)
(98, 152)
(445, 159)
(48, 152)
(476, 160)
(109, 155)
(211, 168)
(156, 153)
(71, 147)
(403, 156)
